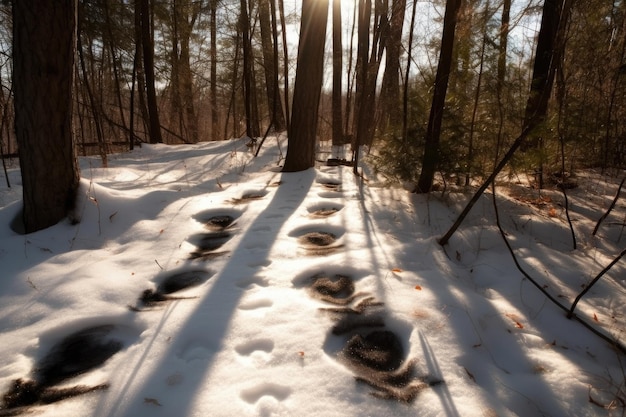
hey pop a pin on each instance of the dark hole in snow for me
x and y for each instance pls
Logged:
(183, 280)
(333, 186)
(219, 222)
(249, 196)
(214, 240)
(172, 284)
(76, 354)
(324, 212)
(336, 289)
(207, 243)
(377, 359)
(380, 350)
(318, 238)
(205, 255)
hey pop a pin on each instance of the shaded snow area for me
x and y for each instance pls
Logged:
(201, 281)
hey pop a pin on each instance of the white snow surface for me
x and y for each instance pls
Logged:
(253, 341)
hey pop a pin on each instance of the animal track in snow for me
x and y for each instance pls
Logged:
(218, 219)
(253, 394)
(174, 283)
(321, 210)
(256, 245)
(196, 350)
(76, 354)
(208, 243)
(362, 341)
(335, 289)
(248, 282)
(255, 304)
(259, 262)
(318, 240)
(249, 196)
(249, 347)
(329, 184)
(329, 194)
(378, 359)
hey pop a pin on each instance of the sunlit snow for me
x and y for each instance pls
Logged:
(220, 286)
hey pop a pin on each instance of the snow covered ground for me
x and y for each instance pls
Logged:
(313, 295)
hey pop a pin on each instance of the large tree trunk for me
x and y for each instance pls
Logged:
(307, 91)
(44, 46)
(433, 131)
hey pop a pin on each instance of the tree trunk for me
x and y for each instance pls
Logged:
(44, 46)
(350, 102)
(281, 8)
(118, 90)
(390, 90)
(308, 87)
(363, 46)
(184, 16)
(501, 71)
(213, 88)
(470, 150)
(537, 104)
(405, 93)
(337, 112)
(95, 109)
(141, 81)
(186, 87)
(244, 28)
(274, 105)
(433, 131)
(148, 60)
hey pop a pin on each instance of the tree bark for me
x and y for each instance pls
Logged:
(213, 88)
(281, 10)
(274, 104)
(470, 145)
(95, 108)
(252, 129)
(433, 131)
(390, 89)
(154, 125)
(184, 16)
(337, 98)
(139, 71)
(44, 47)
(543, 78)
(308, 86)
(360, 98)
(536, 105)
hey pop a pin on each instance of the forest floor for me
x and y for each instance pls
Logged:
(202, 281)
